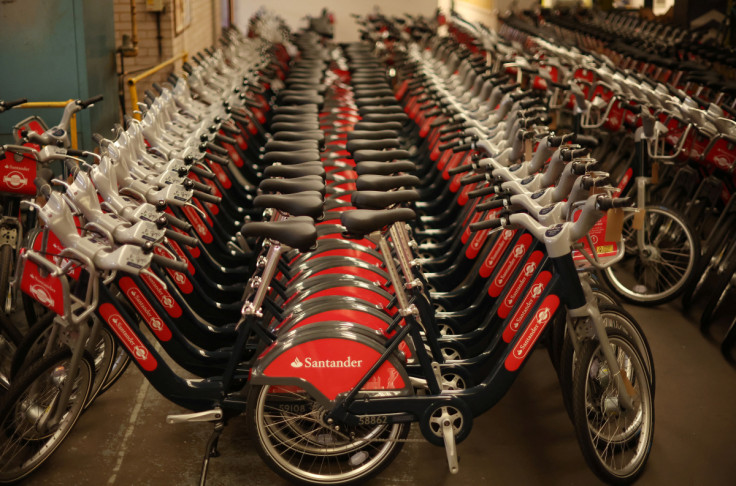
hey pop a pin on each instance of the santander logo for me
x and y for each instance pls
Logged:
(42, 295)
(128, 337)
(326, 363)
(297, 363)
(722, 162)
(156, 324)
(537, 290)
(15, 179)
(530, 336)
(519, 250)
(529, 269)
(167, 301)
(140, 352)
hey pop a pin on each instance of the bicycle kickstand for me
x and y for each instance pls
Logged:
(211, 451)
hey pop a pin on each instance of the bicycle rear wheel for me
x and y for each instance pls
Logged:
(27, 439)
(615, 441)
(659, 271)
(294, 440)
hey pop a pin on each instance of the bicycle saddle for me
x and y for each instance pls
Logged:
(303, 84)
(372, 134)
(390, 125)
(298, 92)
(376, 101)
(295, 110)
(382, 110)
(354, 145)
(291, 145)
(380, 155)
(294, 127)
(302, 99)
(306, 135)
(382, 199)
(363, 79)
(307, 203)
(334, 203)
(386, 117)
(290, 186)
(296, 234)
(294, 118)
(369, 92)
(384, 168)
(372, 182)
(293, 157)
(366, 221)
(296, 170)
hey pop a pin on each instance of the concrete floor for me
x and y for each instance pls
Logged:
(526, 439)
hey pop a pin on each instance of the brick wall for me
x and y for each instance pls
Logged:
(202, 32)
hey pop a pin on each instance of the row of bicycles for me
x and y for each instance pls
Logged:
(691, 140)
(337, 241)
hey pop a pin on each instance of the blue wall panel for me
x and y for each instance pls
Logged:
(53, 50)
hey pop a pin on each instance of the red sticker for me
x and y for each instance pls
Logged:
(46, 290)
(535, 291)
(181, 280)
(517, 253)
(527, 340)
(199, 226)
(162, 295)
(334, 366)
(494, 256)
(145, 309)
(17, 174)
(126, 335)
(521, 280)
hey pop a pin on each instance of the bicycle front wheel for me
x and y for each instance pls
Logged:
(27, 435)
(615, 440)
(294, 440)
(657, 271)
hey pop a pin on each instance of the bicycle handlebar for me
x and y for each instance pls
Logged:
(216, 159)
(169, 263)
(89, 101)
(6, 105)
(203, 196)
(180, 238)
(606, 203)
(177, 223)
(460, 169)
(487, 224)
(635, 109)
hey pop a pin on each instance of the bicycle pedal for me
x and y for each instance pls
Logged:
(450, 446)
(205, 416)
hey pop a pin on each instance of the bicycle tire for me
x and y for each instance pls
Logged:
(309, 443)
(34, 344)
(120, 363)
(6, 268)
(557, 334)
(721, 288)
(712, 251)
(22, 447)
(638, 278)
(614, 317)
(29, 345)
(605, 431)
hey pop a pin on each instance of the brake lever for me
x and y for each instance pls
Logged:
(150, 273)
